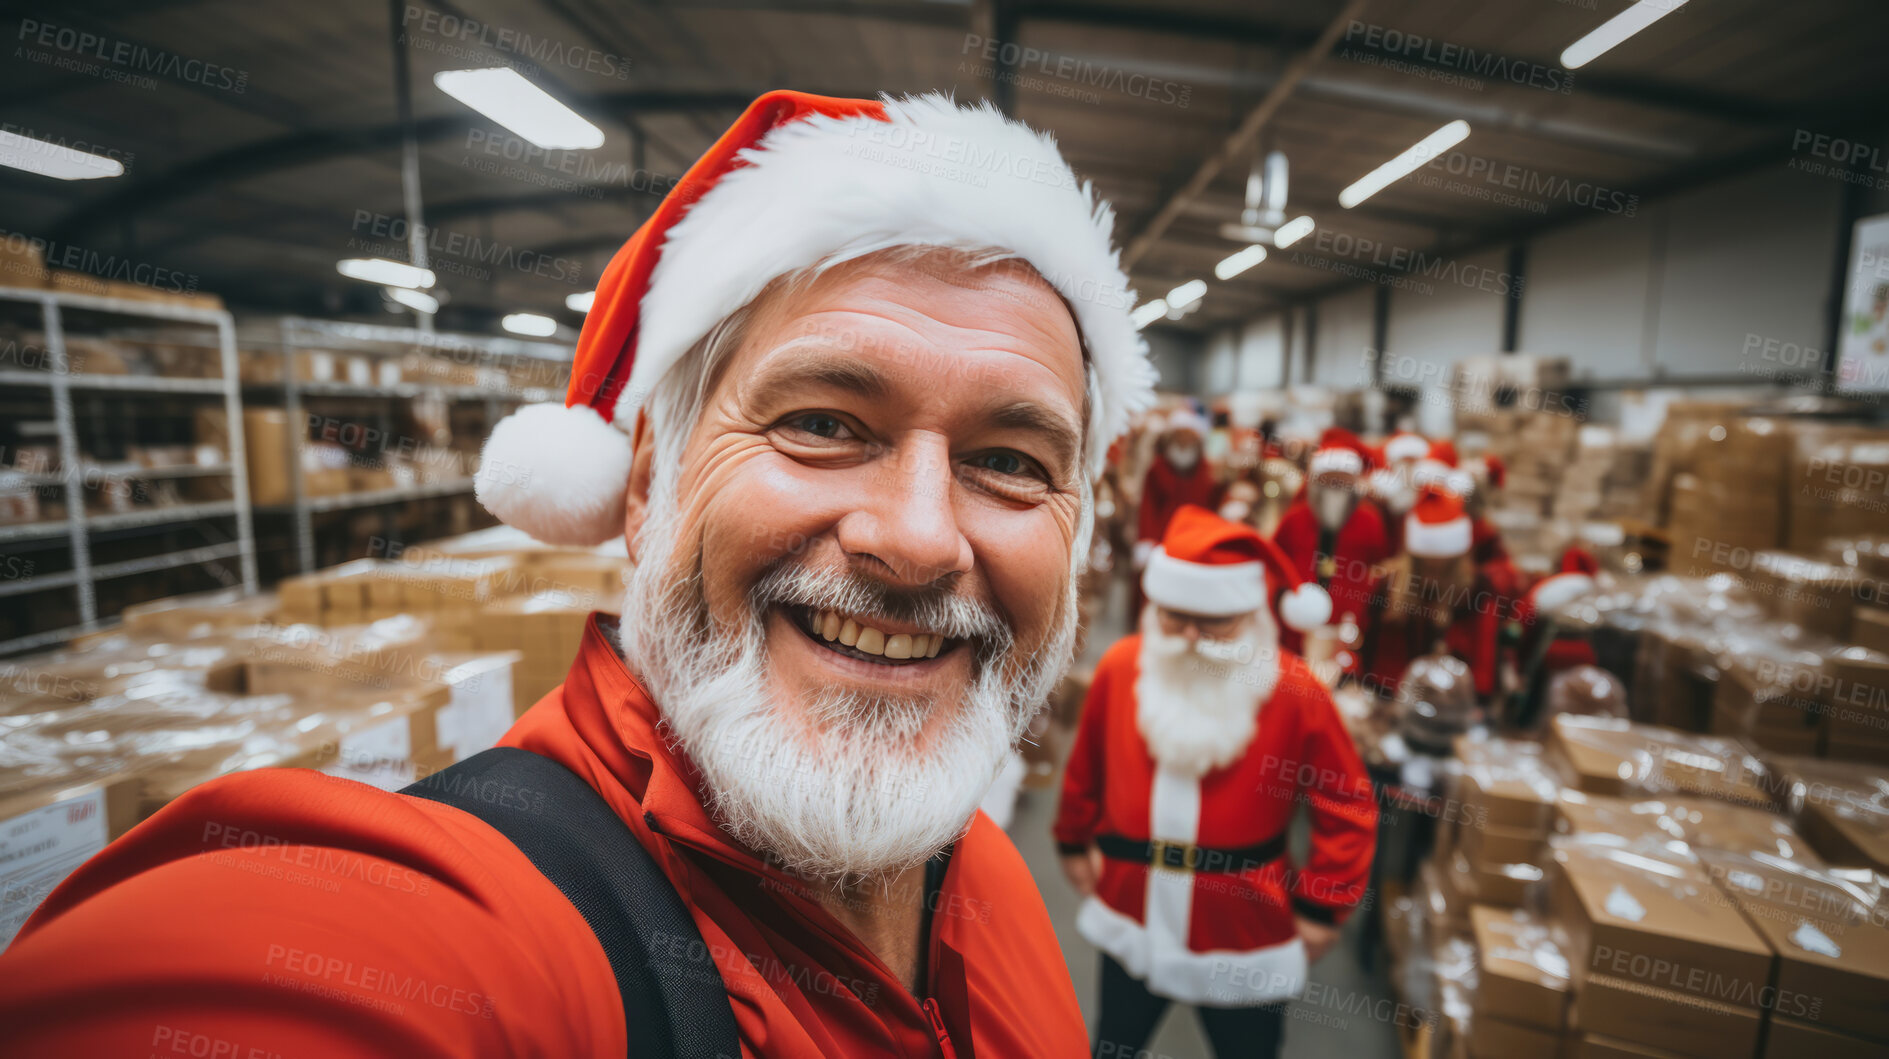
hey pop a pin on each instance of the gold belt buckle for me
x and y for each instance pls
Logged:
(1190, 855)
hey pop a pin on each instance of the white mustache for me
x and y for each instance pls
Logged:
(956, 617)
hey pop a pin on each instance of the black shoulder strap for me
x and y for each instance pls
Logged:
(674, 1000)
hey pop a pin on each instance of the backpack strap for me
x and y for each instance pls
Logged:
(671, 1006)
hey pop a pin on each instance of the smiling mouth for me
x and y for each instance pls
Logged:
(848, 636)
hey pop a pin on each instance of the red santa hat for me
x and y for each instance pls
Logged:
(803, 181)
(1339, 452)
(1433, 472)
(1404, 445)
(1438, 527)
(1443, 451)
(1210, 566)
(1549, 595)
(1494, 471)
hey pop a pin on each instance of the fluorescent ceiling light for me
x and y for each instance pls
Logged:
(1404, 164)
(1616, 29)
(580, 303)
(1292, 231)
(390, 273)
(1186, 294)
(1149, 312)
(413, 299)
(1239, 261)
(530, 324)
(52, 160)
(502, 94)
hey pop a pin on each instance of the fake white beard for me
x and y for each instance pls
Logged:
(1197, 704)
(844, 786)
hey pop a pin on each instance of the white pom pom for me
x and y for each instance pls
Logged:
(1305, 608)
(557, 473)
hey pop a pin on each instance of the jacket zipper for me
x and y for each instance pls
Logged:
(936, 1017)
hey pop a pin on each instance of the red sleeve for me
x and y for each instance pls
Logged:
(1297, 536)
(1081, 809)
(283, 912)
(1154, 504)
(1343, 811)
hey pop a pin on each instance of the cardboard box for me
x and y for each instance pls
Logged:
(1496, 1039)
(1869, 628)
(1832, 948)
(1506, 783)
(1678, 1022)
(1494, 844)
(1683, 823)
(1791, 1039)
(1522, 975)
(1595, 1046)
(1856, 703)
(1841, 807)
(1815, 595)
(268, 448)
(1645, 917)
(48, 829)
(1605, 755)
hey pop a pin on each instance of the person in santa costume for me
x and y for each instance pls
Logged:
(845, 413)
(1393, 485)
(1199, 740)
(1333, 534)
(1179, 475)
(1435, 598)
(1441, 467)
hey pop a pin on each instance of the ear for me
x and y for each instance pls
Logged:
(642, 470)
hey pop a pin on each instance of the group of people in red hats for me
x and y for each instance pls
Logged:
(1207, 727)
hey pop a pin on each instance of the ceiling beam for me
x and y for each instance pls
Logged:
(1242, 138)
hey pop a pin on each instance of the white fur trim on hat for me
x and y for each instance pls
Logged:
(1306, 607)
(1188, 419)
(825, 190)
(1336, 461)
(1559, 591)
(1406, 447)
(1437, 540)
(557, 473)
(1212, 589)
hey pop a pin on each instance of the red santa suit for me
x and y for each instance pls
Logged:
(1344, 563)
(1401, 626)
(1196, 897)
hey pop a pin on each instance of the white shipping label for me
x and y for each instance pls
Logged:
(38, 849)
(381, 756)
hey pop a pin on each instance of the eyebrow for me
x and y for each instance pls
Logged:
(1033, 417)
(848, 374)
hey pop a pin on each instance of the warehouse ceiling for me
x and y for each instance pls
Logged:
(262, 142)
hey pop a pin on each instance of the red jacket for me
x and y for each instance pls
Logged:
(1220, 938)
(1477, 617)
(1362, 544)
(298, 914)
(1165, 491)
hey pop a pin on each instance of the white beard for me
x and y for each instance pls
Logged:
(1197, 705)
(843, 786)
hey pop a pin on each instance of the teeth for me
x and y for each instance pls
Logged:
(830, 625)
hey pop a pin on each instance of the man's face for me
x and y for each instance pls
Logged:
(1332, 498)
(881, 499)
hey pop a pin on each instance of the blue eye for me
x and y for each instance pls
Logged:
(1001, 462)
(819, 424)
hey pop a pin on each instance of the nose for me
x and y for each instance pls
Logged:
(905, 518)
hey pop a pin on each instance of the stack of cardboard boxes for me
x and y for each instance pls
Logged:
(1683, 900)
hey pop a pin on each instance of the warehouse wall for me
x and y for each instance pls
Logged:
(1678, 289)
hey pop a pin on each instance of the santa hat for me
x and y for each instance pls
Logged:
(1494, 471)
(1437, 526)
(804, 181)
(1548, 596)
(1433, 472)
(1185, 418)
(1443, 451)
(1404, 445)
(1208, 565)
(1339, 452)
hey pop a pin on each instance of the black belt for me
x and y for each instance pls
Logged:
(1184, 856)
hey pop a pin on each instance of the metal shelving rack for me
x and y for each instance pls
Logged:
(293, 335)
(78, 525)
